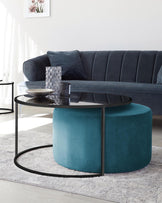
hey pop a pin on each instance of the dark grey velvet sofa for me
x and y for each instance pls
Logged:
(130, 73)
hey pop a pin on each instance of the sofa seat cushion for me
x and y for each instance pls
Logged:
(124, 88)
(111, 87)
(72, 68)
(32, 85)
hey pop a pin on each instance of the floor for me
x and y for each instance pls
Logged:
(18, 193)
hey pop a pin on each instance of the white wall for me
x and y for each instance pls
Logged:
(98, 25)
(77, 24)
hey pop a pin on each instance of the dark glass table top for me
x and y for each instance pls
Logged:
(75, 100)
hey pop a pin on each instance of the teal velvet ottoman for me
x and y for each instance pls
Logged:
(128, 138)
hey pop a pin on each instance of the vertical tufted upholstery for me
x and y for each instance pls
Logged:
(125, 66)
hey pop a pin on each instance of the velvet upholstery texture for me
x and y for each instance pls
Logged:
(34, 69)
(128, 141)
(124, 66)
(70, 62)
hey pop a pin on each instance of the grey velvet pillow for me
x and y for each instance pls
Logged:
(70, 62)
(159, 76)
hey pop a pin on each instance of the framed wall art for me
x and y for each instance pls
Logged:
(37, 8)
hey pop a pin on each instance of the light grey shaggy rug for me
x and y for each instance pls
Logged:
(140, 186)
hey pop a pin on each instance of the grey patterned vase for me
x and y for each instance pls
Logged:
(53, 78)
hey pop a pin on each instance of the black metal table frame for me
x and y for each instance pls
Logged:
(18, 154)
(8, 110)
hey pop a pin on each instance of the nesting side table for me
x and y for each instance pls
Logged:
(8, 110)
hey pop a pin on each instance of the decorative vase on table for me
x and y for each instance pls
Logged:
(54, 82)
(53, 78)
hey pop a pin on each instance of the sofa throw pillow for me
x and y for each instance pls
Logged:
(159, 76)
(70, 62)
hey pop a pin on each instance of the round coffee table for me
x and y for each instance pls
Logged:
(75, 101)
(8, 110)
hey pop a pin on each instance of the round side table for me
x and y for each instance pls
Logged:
(83, 103)
(8, 110)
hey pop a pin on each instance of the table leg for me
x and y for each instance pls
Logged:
(12, 97)
(103, 141)
(16, 128)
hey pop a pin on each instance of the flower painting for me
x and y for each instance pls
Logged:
(37, 8)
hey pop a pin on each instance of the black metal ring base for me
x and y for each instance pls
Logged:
(47, 174)
(6, 110)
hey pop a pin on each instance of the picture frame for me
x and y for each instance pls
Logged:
(36, 8)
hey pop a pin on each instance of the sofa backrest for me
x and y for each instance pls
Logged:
(127, 66)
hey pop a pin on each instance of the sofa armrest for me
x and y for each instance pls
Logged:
(34, 69)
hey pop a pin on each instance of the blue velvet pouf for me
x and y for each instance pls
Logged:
(128, 138)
